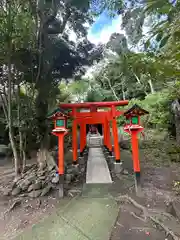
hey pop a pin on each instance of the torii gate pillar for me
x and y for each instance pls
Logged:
(74, 137)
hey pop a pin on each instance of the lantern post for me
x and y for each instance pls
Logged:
(133, 127)
(60, 130)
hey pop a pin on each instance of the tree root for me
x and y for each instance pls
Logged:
(147, 214)
(126, 198)
(15, 204)
(136, 216)
(165, 228)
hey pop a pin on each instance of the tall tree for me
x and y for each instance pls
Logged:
(36, 51)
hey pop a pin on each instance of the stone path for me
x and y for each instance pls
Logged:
(88, 217)
(97, 168)
(80, 219)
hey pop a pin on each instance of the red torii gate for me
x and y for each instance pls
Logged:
(106, 118)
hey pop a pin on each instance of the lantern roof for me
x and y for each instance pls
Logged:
(135, 110)
(58, 112)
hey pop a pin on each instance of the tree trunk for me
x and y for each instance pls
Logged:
(15, 154)
(176, 111)
(11, 134)
(123, 92)
(24, 154)
(151, 86)
(9, 107)
(112, 89)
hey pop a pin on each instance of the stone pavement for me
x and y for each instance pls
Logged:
(88, 217)
(81, 219)
(97, 168)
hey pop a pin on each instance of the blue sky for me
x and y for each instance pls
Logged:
(103, 27)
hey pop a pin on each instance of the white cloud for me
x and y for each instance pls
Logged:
(104, 35)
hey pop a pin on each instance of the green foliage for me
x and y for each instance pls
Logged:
(35, 43)
(94, 96)
(143, 76)
(157, 105)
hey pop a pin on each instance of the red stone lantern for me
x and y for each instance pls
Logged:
(133, 127)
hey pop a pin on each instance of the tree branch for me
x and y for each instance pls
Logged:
(113, 91)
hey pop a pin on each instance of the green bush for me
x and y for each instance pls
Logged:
(158, 106)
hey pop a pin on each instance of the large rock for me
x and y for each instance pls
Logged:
(32, 177)
(30, 188)
(35, 193)
(42, 177)
(24, 184)
(46, 190)
(37, 186)
(41, 173)
(17, 180)
(16, 191)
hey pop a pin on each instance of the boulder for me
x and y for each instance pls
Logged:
(35, 193)
(16, 191)
(42, 177)
(41, 173)
(30, 188)
(37, 186)
(46, 190)
(17, 180)
(32, 177)
(24, 184)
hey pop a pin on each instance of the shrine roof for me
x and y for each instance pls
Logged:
(136, 110)
(93, 104)
(58, 111)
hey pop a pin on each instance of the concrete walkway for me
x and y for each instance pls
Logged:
(80, 219)
(90, 216)
(97, 168)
